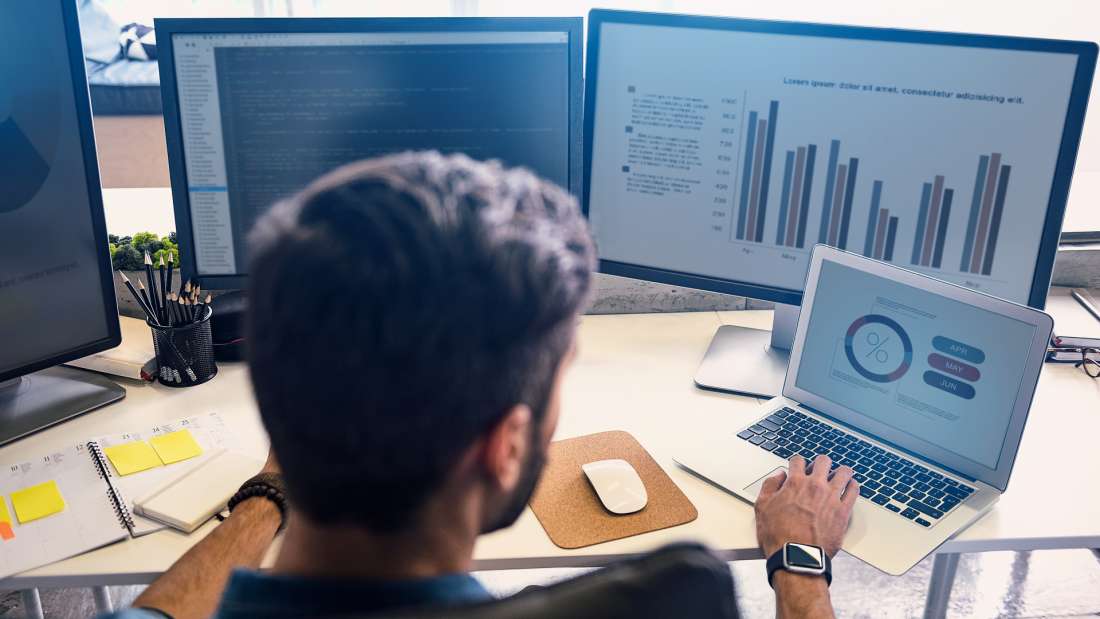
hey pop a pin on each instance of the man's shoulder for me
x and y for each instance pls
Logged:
(258, 594)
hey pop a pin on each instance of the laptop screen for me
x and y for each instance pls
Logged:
(928, 366)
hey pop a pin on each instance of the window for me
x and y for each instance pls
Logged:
(375, 8)
(143, 11)
(555, 8)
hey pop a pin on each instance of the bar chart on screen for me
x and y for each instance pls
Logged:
(938, 159)
(927, 204)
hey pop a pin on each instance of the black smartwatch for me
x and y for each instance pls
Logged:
(269, 486)
(801, 559)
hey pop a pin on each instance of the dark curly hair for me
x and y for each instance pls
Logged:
(398, 307)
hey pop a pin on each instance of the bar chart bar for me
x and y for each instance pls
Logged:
(941, 231)
(796, 195)
(773, 115)
(880, 233)
(891, 236)
(995, 224)
(872, 220)
(781, 229)
(849, 191)
(838, 199)
(757, 171)
(808, 185)
(746, 173)
(975, 207)
(922, 216)
(931, 223)
(982, 231)
(830, 180)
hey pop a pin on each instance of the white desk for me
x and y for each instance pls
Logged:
(634, 373)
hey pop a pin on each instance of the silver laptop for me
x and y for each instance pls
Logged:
(921, 386)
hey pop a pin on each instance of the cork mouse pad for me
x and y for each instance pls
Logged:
(567, 506)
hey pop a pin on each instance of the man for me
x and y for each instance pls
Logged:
(411, 319)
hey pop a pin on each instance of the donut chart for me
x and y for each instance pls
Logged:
(33, 98)
(23, 171)
(878, 348)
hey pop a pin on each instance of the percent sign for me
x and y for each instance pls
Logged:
(877, 342)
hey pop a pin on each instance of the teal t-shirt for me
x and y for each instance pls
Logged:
(266, 596)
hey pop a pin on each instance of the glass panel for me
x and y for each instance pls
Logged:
(565, 8)
(143, 11)
(374, 8)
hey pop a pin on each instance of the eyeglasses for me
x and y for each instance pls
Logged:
(1090, 359)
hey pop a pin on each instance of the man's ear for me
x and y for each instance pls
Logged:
(506, 447)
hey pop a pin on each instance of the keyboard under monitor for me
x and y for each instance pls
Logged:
(886, 479)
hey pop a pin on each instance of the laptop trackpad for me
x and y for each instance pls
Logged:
(753, 490)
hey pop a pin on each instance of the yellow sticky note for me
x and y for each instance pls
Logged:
(4, 515)
(132, 457)
(37, 502)
(176, 446)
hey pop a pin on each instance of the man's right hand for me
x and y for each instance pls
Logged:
(812, 508)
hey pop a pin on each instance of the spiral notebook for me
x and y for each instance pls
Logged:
(75, 500)
(210, 434)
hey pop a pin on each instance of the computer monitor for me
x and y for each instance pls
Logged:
(718, 152)
(255, 109)
(57, 300)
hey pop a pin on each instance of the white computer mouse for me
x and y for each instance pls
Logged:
(617, 484)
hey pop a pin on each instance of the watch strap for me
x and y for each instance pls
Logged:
(775, 563)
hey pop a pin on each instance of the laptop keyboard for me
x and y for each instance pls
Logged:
(893, 482)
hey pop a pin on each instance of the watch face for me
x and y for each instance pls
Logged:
(804, 555)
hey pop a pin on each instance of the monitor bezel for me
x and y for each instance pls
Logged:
(167, 28)
(82, 100)
(1086, 53)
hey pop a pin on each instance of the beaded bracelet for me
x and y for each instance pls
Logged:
(266, 485)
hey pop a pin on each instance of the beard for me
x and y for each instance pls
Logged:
(517, 501)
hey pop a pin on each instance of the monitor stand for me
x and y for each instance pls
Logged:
(748, 361)
(42, 399)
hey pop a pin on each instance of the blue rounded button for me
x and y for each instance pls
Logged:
(948, 384)
(957, 349)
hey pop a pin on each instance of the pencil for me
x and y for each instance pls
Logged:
(148, 303)
(152, 282)
(162, 298)
(173, 317)
(171, 264)
(141, 303)
(179, 310)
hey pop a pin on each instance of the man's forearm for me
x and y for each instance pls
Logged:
(193, 585)
(799, 595)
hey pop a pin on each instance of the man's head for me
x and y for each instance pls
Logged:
(408, 318)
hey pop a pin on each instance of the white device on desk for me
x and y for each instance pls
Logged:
(617, 484)
(194, 497)
(922, 386)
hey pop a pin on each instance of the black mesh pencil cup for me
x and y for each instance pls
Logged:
(185, 353)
